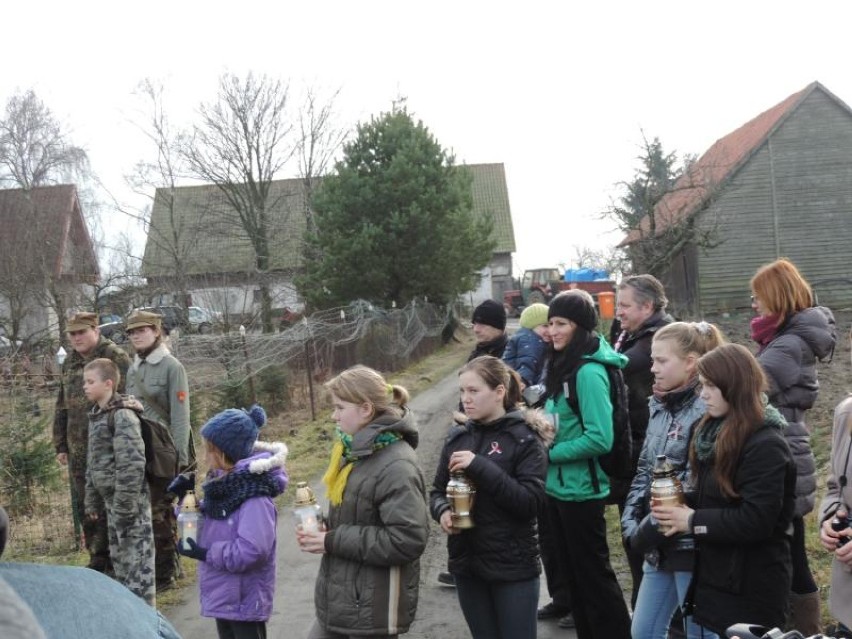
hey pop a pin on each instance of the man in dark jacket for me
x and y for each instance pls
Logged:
(641, 310)
(489, 328)
(71, 423)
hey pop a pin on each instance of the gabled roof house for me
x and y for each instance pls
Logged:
(44, 241)
(778, 186)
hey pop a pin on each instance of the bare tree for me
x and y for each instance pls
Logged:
(602, 259)
(34, 149)
(320, 138)
(242, 142)
(157, 180)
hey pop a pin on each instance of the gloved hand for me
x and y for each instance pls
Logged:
(194, 552)
(181, 484)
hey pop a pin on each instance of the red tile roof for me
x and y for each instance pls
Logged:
(717, 165)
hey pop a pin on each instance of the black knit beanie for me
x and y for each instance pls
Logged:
(577, 306)
(491, 313)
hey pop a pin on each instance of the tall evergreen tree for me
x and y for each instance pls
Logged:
(394, 221)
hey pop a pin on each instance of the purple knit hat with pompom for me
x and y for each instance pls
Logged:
(234, 431)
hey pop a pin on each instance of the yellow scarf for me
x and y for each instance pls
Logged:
(336, 475)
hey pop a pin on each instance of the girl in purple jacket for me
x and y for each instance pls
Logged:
(236, 545)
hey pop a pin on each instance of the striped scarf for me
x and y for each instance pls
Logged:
(342, 462)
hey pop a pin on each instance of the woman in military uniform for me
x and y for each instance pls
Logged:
(158, 380)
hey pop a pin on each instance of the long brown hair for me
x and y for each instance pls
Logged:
(496, 373)
(737, 374)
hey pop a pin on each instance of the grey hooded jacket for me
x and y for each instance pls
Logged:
(789, 362)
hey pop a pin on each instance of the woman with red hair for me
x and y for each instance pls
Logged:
(792, 333)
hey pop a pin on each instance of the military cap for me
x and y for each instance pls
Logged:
(138, 319)
(81, 321)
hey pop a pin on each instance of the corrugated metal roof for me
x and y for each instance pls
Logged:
(209, 240)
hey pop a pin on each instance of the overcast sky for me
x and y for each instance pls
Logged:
(556, 93)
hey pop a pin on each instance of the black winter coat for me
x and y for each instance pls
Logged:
(743, 570)
(508, 470)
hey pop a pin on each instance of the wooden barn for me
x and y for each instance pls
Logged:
(779, 186)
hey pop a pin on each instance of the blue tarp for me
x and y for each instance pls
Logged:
(585, 275)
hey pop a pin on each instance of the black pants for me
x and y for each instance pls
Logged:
(557, 581)
(240, 629)
(599, 608)
(803, 580)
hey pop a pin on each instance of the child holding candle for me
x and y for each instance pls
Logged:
(236, 545)
(377, 521)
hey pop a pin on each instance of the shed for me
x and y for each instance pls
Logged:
(778, 186)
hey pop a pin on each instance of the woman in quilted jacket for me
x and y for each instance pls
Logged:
(792, 334)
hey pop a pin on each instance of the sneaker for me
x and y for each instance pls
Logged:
(552, 611)
(567, 621)
(446, 579)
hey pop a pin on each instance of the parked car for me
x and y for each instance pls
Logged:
(203, 320)
(112, 327)
(173, 317)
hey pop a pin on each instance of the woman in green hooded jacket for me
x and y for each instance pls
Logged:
(576, 486)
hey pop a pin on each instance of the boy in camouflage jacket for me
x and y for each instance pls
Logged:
(115, 479)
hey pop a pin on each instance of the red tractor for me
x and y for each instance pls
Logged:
(541, 284)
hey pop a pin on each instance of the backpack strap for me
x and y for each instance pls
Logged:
(574, 404)
(162, 413)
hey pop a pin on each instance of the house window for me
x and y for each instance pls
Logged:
(257, 296)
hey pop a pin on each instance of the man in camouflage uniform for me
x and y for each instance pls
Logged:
(71, 424)
(116, 482)
(158, 380)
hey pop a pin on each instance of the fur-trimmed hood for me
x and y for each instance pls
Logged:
(265, 456)
(535, 418)
(540, 424)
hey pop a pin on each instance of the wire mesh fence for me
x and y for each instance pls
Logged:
(280, 370)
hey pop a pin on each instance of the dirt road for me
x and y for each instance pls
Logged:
(438, 614)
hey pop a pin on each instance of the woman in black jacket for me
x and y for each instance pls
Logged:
(500, 448)
(741, 501)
